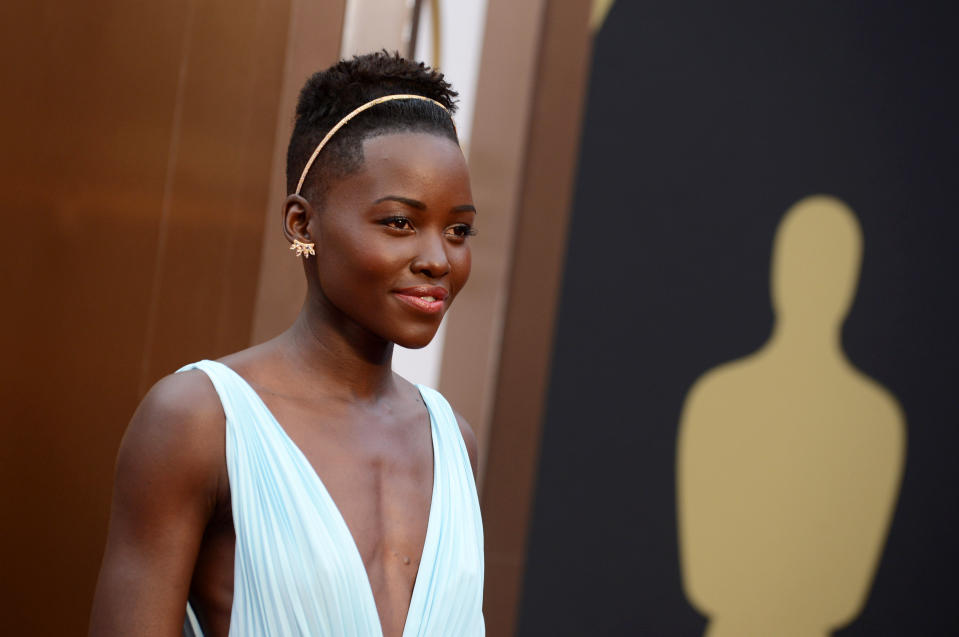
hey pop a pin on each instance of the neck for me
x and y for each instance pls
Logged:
(808, 340)
(345, 357)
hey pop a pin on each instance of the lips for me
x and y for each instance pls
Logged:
(425, 298)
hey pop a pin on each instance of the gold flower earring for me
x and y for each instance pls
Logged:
(302, 249)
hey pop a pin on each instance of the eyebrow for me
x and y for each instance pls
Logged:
(412, 203)
(419, 205)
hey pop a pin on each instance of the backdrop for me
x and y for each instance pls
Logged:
(704, 124)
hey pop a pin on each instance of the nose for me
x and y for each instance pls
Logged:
(431, 259)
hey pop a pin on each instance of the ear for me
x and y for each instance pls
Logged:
(297, 214)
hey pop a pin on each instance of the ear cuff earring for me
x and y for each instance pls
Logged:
(302, 249)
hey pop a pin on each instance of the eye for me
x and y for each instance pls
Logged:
(460, 231)
(397, 223)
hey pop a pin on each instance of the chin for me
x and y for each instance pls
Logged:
(417, 339)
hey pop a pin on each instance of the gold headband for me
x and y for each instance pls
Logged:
(356, 111)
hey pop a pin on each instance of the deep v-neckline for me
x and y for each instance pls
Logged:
(427, 554)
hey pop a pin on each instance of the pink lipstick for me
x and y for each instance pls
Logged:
(425, 298)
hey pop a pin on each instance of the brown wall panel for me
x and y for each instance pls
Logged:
(86, 121)
(498, 145)
(208, 258)
(497, 350)
(538, 257)
(313, 44)
(139, 141)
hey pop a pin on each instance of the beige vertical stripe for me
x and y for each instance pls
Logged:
(371, 25)
(497, 355)
(504, 94)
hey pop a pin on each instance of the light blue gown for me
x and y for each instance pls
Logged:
(297, 570)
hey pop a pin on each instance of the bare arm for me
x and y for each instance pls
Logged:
(164, 493)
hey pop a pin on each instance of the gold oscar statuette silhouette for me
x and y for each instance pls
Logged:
(789, 460)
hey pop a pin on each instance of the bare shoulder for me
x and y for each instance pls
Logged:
(169, 467)
(179, 407)
(179, 426)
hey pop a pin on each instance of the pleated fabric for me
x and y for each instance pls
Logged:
(297, 570)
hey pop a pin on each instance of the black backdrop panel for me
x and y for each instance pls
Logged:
(705, 122)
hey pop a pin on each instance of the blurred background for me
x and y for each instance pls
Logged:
(655, 460)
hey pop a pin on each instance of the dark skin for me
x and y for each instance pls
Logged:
(400, 221)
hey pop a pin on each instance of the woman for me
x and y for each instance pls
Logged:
(300, 487)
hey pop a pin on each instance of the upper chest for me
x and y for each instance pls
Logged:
(375, 462)
(307, 486)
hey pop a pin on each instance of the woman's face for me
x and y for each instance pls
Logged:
(392, 240)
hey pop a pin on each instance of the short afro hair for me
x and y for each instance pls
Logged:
(330, 95)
